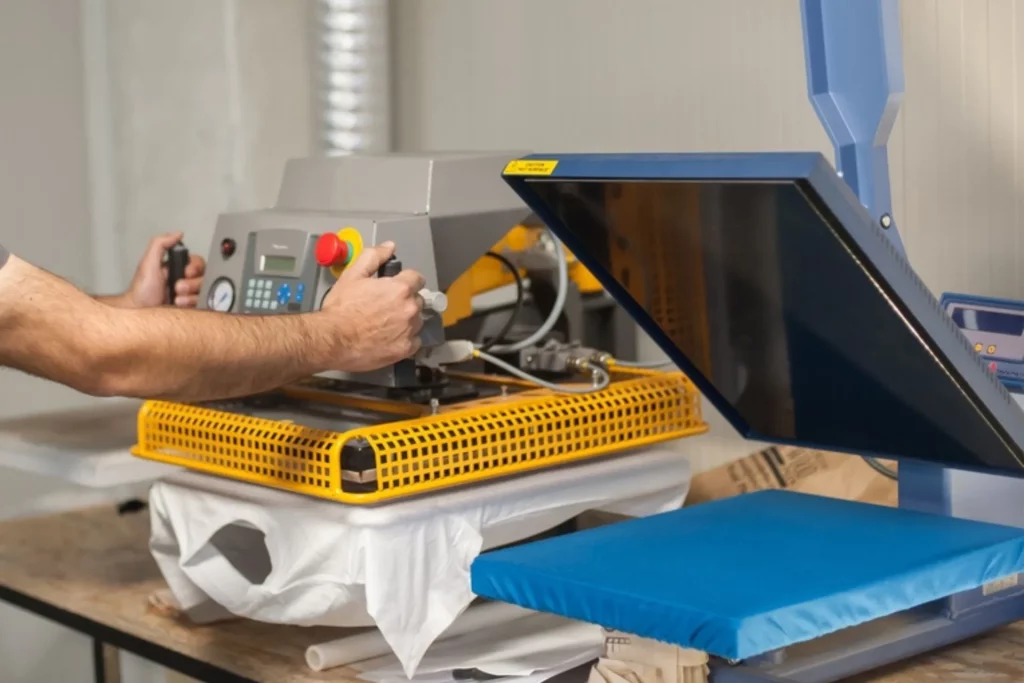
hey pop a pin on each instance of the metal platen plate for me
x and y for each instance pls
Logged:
(764, 279)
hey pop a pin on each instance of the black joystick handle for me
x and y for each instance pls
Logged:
(177, 259)
(391, 268)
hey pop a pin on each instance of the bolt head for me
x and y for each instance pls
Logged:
(886, 221)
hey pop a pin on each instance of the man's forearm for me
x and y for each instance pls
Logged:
(53, 330)
(201, 355)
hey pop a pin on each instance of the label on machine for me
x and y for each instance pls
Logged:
(530, 167)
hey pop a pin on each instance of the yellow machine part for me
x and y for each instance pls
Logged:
(480, 440)
(488, 274)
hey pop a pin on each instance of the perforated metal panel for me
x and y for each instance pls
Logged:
(269, 452)
(531, 431)
(486, 439)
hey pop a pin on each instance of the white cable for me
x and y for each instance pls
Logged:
(556, 310)
(600, 372)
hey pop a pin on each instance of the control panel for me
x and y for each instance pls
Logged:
(995, 329)
(269, 263)
(275, 270)
(442, 212)
(280, 273)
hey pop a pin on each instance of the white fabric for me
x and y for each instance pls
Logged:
(528, 646)
(403, 567)
(370, 644)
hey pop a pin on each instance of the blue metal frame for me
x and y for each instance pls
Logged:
(864, 649)
(854, 66)
(855, 82)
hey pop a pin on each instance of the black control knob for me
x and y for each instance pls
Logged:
(227, 247)
(391, 268)
(177, 260)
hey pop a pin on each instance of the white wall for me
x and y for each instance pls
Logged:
(44, 202)
(728, 75)
(209, 98)
(44, 209)
(120, 119)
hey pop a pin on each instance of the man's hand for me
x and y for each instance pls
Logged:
(376, 321)
(149, 286)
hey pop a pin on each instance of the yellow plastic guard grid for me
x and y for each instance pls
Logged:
(488, 439)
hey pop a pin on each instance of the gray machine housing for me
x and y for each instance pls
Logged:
(442, 211)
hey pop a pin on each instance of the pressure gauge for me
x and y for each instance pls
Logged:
(222, 296)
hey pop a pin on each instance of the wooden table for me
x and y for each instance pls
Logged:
(91, 571)
(997, 657)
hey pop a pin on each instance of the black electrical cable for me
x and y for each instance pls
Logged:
(520, 297)
(886, 472)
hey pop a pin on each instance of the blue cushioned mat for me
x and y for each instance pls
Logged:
(746, 575)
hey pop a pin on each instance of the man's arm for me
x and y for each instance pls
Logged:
(51, 329)
(117, 300)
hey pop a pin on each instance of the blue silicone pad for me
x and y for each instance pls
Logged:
(750, 574)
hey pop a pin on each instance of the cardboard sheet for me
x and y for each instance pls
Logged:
(834, 475)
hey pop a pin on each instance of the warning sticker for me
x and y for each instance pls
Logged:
(530, 167)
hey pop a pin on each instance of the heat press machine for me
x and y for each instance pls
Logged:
(793, 308)
(464, 410)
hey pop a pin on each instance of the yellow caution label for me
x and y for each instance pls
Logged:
(530, 167)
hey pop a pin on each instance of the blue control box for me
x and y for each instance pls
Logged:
(995, 329)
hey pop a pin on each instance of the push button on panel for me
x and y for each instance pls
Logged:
(336, 250)
(332, 251)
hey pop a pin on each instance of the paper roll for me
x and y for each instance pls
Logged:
(371, 644)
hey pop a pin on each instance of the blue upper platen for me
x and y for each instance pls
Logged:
(746, 575)
(763, 277)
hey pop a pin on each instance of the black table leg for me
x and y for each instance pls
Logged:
(106, 667)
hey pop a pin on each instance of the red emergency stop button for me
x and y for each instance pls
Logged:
(332, 251)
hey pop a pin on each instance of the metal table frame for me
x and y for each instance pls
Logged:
(107, 641)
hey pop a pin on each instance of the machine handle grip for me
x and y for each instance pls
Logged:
(177, 259)
(391, 268)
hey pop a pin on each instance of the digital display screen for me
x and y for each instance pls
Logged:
(995, 322)
(762, 293)
(277, 264)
